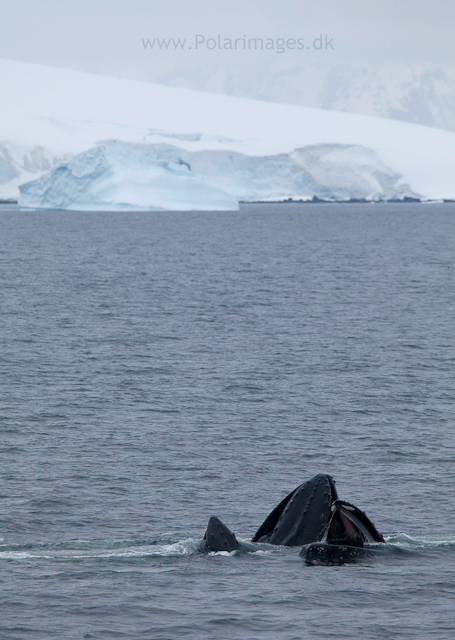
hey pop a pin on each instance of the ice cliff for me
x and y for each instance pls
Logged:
(117, 175)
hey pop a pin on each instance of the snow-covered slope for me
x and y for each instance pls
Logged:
(421, 93)
(48, 114)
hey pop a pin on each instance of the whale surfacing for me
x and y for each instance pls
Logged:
(302, 516)
(345, 537)
(329, 530)
(218, 537)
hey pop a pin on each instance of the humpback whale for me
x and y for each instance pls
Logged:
(349, 525)
(302, 516)
(218, 537)
(329, 530)
(344, 539)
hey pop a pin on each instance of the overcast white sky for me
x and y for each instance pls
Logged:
(104, 36)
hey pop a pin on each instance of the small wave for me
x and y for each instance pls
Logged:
(112, 550)
(76, 550)
(97, 549)
(430, 542)
(19, 555)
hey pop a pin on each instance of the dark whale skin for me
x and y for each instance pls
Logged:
(302, 516)
(337, 554)
(218, 538)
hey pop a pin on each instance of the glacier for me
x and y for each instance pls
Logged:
(260, 150)
(118, 175)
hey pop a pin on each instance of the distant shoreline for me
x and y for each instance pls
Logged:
(314, 200)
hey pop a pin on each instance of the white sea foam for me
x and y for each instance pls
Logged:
(117, 549)
(112, 549)
(427, 542)
(86, 549)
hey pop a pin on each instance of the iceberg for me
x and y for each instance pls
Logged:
(119, 175)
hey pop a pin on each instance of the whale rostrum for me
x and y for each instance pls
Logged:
(302, 516)
(218, 537)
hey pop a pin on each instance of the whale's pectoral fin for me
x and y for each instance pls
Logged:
(218, 537)
(302, 516)
(350, 526)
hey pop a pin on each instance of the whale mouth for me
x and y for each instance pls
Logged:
(349, 525)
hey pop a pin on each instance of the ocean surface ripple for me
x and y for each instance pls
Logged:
(159, 368)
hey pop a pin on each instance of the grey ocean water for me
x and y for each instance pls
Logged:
(158, 368)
